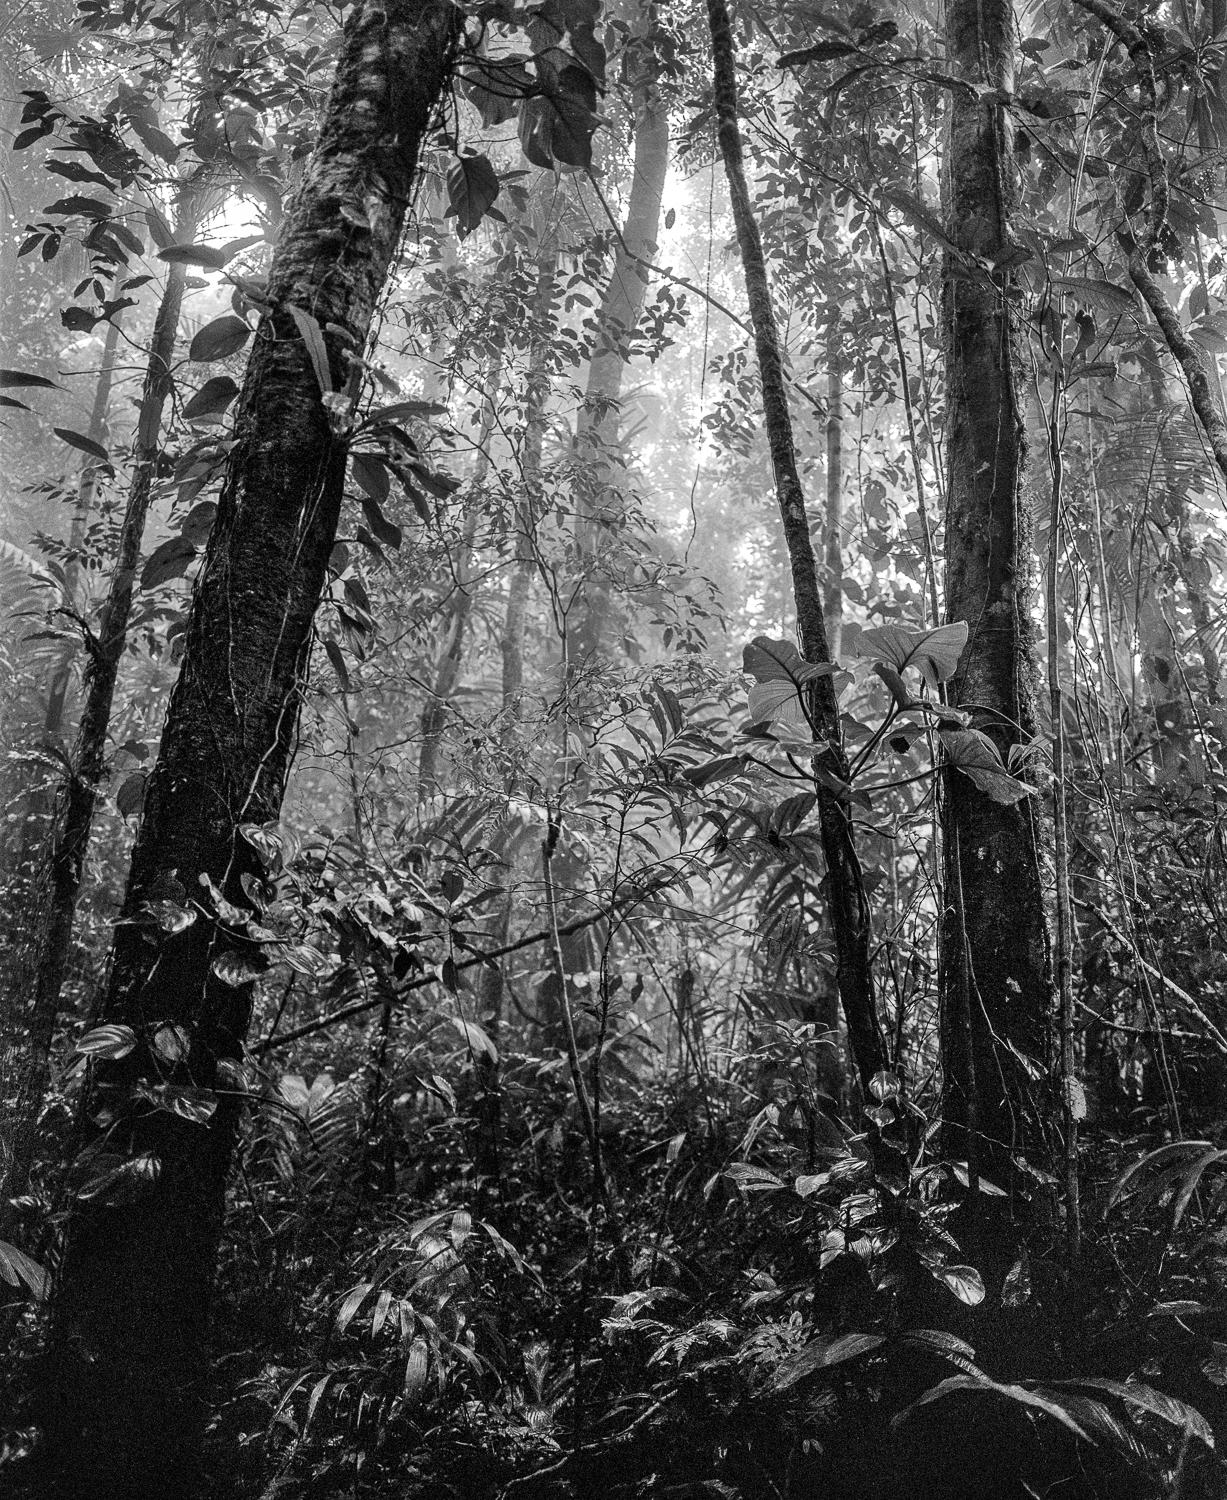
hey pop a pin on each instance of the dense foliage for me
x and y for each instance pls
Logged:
(613, 749)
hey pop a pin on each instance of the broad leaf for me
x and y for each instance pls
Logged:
(476, 1038)
(822, 1354)
(963, 1281)
(220, 339)
(111, 1041)
(975, 755)
(934, 653)
(1146, 1398)
(780, 672)
(171, 560)
(472, 187)
(752, 1179)
(956, 1384)
(309, 328)
(213, 397)
(172, 1043)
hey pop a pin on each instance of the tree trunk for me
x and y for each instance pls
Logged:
(598, 506)
(488, 1102)
(130, 1316)
(996, 994)
(57, 698)
(451, 653)
(833, 558)
(849, 905)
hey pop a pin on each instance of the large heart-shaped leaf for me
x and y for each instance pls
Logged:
(934, 653)
(780, 672)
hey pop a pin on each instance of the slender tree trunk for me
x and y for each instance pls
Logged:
(87, 486)
(833, 611)
(599, 507)
(491, 987)
(130, 1315)
(849, 906)
(451, 653)
(996, 991)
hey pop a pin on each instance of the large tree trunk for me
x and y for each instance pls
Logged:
(131, 1309)
(599, 507)
(996, 985)
(849, 905)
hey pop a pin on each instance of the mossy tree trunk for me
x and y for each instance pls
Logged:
(996, 990)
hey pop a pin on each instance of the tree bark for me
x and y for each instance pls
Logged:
(996, 996)
(130, 1315)
(849, 905)
(598, 508)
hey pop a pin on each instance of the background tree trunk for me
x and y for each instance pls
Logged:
(455, 634)
(849, 907)
(995, 986)
(599, 507)
(131, 1308)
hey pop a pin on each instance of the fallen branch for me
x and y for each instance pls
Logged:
(309, 1028)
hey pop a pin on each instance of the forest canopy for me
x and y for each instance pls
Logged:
(613, 749)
